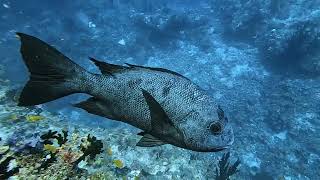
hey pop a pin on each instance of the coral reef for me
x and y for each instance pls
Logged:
(90, 147)
(7, 166)
(258, 59)
(295, 51)
(5, 172)
(49, 159)
(242, 20)
(287, 40)
(51, 135)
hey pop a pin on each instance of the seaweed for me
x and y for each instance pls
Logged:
(91, 147)
(226, 170)
(50, 135)
(47, 137)
(4, 167)
(62, 139)
(5, 172)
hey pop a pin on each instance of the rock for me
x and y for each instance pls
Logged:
(4, 149)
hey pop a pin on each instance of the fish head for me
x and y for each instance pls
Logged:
(218, 136)
(208, 133)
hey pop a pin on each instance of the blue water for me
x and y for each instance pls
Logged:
(260, 60)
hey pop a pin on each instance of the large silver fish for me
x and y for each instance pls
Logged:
(167, 106)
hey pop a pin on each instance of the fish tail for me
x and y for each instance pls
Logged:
(52, 75)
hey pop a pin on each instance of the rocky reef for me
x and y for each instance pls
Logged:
(258, 59)
(37, 144)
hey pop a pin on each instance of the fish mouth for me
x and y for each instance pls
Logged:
(221, 148)
(217, 149)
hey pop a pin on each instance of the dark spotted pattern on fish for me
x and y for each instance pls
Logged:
(167, 106)
(134, 82)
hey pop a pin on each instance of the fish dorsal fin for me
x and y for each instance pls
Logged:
(156, 69)
(149, 141)
(107, 68)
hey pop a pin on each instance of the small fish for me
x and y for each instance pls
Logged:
(109, 151)
(118, 163)
(13, 117)
(34, 118)
(166, 106)
(50, 148)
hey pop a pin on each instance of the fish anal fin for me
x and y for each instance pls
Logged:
(149, 141)
(142, 133)
(107, 68)
(97, 107)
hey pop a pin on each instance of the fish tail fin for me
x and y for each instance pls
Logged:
(52, 75)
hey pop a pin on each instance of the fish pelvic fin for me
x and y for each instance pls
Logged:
(52, 75)
(149, 141)
(97, 107)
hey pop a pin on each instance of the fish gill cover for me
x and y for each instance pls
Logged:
(259, 60)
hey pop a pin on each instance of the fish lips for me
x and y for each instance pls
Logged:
(214, 149)
(219, 148)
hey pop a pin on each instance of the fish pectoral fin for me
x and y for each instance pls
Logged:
(97, 107)
(107, 68)
(149, 141)
(160, 122)
(159, 118)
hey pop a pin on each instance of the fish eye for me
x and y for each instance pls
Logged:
(216, 128)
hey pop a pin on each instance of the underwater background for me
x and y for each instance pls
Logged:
(260, 60)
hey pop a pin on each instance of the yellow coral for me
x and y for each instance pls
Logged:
(34, 118)
(118, 163)
(109, 151)
(50, 148)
